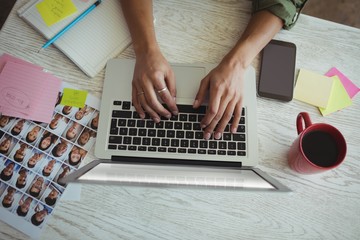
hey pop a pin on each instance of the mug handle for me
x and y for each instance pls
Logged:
(302, 117)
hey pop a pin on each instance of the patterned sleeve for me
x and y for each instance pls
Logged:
(287, 10)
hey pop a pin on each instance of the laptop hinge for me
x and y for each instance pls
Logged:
(172, 161)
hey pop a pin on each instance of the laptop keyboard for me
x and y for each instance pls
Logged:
(180, 134)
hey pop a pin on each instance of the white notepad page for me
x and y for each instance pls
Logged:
(100, 36)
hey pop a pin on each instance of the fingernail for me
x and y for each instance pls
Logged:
(175, 113)
(207, 136)
(156, 120)
(142, 115)
(203, 126)
(168, 116)
(234, 130)
(196, 102)
(217, 135)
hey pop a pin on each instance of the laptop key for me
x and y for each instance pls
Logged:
(174, 142)
(221, 152)
(172, 150)
(165, 142)
(121, 122)
(113, 123)
(161, 133)
(114, 131)
(187, 126)
(155, 142)
(152, 149)
(127, 140)
(161, 149)
(203, 144)
(122, 147)
(111, 146)
(115, 139)
(201, 151)
(194, 143)
(231, 153)
(132, 148)
(211, 151)
(142, 132)
(142, 148)
(151, 133)
(241, 128)
(123, 131)
(239, 137)
(121, 114)
(181, 150)
(190, 150)
(184, 143)
(146, 141)
(117, 103)
(170, 133)
(140, 123)
(133, 131)
(137, 140)
(241, 146)
(189, 109)
(189, 135)
(126, 105)
(241, 153)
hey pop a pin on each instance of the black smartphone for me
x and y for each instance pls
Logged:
(277, 71)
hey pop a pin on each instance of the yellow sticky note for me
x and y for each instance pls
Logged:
(339, 98)
(313, 88)
(53, 11)
(73, 97)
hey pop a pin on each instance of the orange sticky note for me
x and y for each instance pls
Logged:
(53, 11)
(73, 97)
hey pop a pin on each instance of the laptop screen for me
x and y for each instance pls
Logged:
(179, 175)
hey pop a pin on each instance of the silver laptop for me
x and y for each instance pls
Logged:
(132, 150)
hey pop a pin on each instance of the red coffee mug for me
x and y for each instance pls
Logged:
(318, 147)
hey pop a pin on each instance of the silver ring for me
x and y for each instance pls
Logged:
(162, 90)
(140, 93)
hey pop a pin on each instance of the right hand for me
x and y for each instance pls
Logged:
(153, 80)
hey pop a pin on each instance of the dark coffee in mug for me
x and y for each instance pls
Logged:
(320, 148)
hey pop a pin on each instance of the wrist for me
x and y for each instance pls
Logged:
(146, 48)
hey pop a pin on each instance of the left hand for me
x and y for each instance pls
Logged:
(225, 86)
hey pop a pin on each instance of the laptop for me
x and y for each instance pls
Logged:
(135, 151)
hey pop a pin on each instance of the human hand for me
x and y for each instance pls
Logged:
(225, 86)
(153, 78)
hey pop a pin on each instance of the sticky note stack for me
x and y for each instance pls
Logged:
(55, 11)
(329, 93)
(26, 91)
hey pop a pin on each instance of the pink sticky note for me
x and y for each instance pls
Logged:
(4, 58)
(27, 92)
(350, 87)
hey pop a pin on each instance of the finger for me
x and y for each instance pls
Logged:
(135, 100)
(151, 97)
(218, 116)
(237, 116)
(170, 100)
(213, 106)
(153, 115)
(201, 94)
(226, 117)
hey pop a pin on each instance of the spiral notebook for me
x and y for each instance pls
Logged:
(100, 36)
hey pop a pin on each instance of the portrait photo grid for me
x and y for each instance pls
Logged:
(34, 156)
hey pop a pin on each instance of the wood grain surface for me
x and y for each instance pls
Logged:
(321, 206)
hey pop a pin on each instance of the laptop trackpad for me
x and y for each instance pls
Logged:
(188, 81)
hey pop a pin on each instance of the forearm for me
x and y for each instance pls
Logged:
(261, 29)
(139, 17)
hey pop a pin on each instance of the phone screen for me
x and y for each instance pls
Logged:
(277, 70)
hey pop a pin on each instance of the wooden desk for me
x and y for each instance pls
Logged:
(323, 206)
